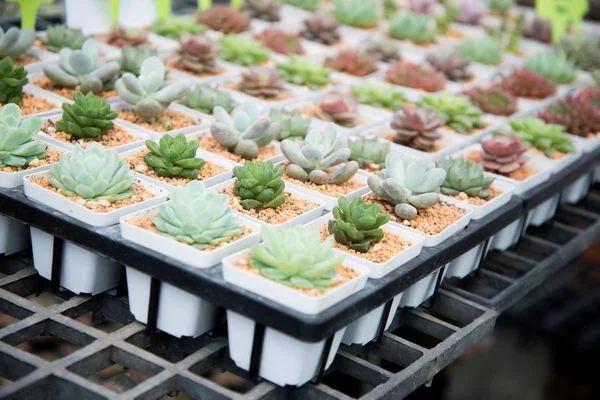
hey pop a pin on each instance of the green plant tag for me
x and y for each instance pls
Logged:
(29, 10)
(163, 9)
(562, 14)
(114, 11)
(204, 5)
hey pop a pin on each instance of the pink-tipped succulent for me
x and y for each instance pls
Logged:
(353, 62)
(264, 83)
(121, 37)
(417, 127)
(579, 114)
(528, 84)
(339, 107)
(281, 41)
(471, 12)
(224, 19)
(493, 100)
(197, 53)
(405, 73)
(384, 50)
(503, 154)
(452, 64)
(322, 28)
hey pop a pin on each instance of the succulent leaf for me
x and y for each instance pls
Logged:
(457, 111)
(12, 80)
(322, 28)
(464, 176)
(60, 36)
(292, 124)
(243, 50)
(15, 42)
(406, 73)
(88, 116)
(417, 28)
(224, 19)
(358, 13)
(205, 98)
(17, 147)
(174, 156)
(368, 151)
(259, 185)
(553, 65)
(304, 71)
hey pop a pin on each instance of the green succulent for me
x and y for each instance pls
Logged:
(17, 149)
(547, 138)
(445, 18)
(198, 216)
(368, 151)
(173, 26)
(581, 48)
(15, 42)
(359, 13)
(259, 185)
(553, 65)
(459, 113)
(205, 98)
(508, 34)
(174, 156)
(500, 6)
(296, 257)
(309, 5)
(292, 124)
(417, 28)
(131, 58)
(379, 95)
(60, 36)
(243, 50)
(88, 116)
(357, 225)
(464, 176)
(305, 71)
(484, 50)
(93, 173)
(12, 81)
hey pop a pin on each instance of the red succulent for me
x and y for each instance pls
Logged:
(406, 73)
(503, 154)
(528, 84)
(339, 107)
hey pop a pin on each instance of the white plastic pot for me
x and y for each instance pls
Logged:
(543, 212)
(497, 202)
(366, 328)
(180, 75)
(508, 236)
(465, 264)
(229, 84)
(577, 190)
(416, 294)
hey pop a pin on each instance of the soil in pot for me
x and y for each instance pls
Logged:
(48, 85)
(51, 157)
(371, 168)
(209, 144)
(313, 112)
(33, 105)
(328, 189)
(476, 200)
(25, 59)
(117, 136)
(176, 119)
(521, 174)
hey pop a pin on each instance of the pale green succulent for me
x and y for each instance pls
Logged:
(60, 37)
(369, 151)
(17, 149)
(379, 95)
(243, 50)
(132, 58)
(296, 257)
(205, 98)
(464, 176)
(174, 26)
(198, 216)
(15, 42)
(408, 184)
(292, 124)
(310, 5)
(553, 65)
(484, 50)
(458, 111)
(305, 71)
(417, 28)
(547, 138)
(359, 13)
(94, 173)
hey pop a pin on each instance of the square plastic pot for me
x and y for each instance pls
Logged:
(366, 328)
(416, 294)
(508, 236)
(37, 74)
(185, 76)
(497, 202)
(229, 84)
(544, 212)
(577, 190)
(465, 264)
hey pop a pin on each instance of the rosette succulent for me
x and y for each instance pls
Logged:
(259, 185)
(267, 10)
(353, 62)
(426, 7)
(484, 50)
(131, 58)
(292, 124)
(369, 151)
(174, 156)
(224, 19)
(264, 83)
(528, 84)
(88, 116)
(408, 184)
(198, 216)
(12, 81)
(205, 98)
(582, 49)
(313, 160)
(280, 41)
(553, 65)
(451, 63)
(378, 95)
(173, 26)
(471, 12)
(304, 71)
(406, 73)
(539, 29)
(198, 54)
(93, 173)
(322, 28)
(457, 111)
(15, 42)
(577, 114)
(17, 147)
(502, 154)
(359, 13)
(500, 6)
(417, 28)
(60, 36)
(339, 107)
(120, 37)
(493, 100)
(309, 5)
(417, 127)
(547, 138)
(243, 50)
(462, 176)
(384, 50)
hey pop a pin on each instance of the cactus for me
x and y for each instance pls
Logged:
(198, 216)
(224, 19)
(174, 156)
(309, 5)
(281, 41)
(547, 138)
(93, 173)
(553, 65)
(205, 98)
(149, 94)
(173, 27)
(368, 151)
(267, 10)
(529, 84)
(322, 28)
(408, 184)
(581, 48)
(17, 147)
(352, 62)
(462, 176)
(339, 107)
(539, 29)
(15, 42)
(242, 50)
(264, 83)
(292, 124)
(471, 12)
(502, 154)
(484, 50)
(121, 37)
(452, 64)
(79, 69)
(457, 111)
(313, 160)
(60, 36)
(577, 114)
(417, 127)
(384, 50)
(406, 73)
(198, 54)
(131, 58)
(243, 133)
(417, 28)
(259, 185)
(12, 81)
(357, 225)
(305, 71)
(88, 116)
(379, 95)
(493, 100)
(359, 13)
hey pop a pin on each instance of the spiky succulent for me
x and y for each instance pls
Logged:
(224, 19)
(60, 36)
(357, 225)
(79, 69)
(243, 50)
(484, 50)
(457, 111)
(406, 73)
(462, 176)
(120, 37)
(547, 138)
(379, 95)
(173, 26)
(309, 5)
(359, 13)
(264, 83)
(17, 149)
(339, 107)
(493, 100)
(15, 42)
(353, 62)
(508, 34)
(12, 81)
(553, 65)
(88, 116)
(417, 28)
(582, 49)
(384, 50)
(174, 156)
(313, 160)
(205, 98)
(292, 124)
(408, 184)
(502, 154)
(471, 12)
(417, 127)
(577, 114)
(305, 71)
(259, 185)
(296, 257)
(529, 84)
(198, 54)
(368, 151)
(281, 41)
(267, 10)
(244, 132)
(451, 63)
(198, 216)
(322, 28)
(93, 173)
(538, 29)
(131, 58)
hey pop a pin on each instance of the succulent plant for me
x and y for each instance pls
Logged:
(149, 93)
(353, 62)
(357, 225)
(264, 83)
(243, 50)
(457, 111)
(79, 69)
(224, 19)
(547, 138)
(197, 53)
(484, 50)
(244, 132)
(267, 10)
(295, 257)
(359, 13)
(15, 42)
(447, 16)
(553, 65)
(417, 28)
(576, 113)
(502, 154)
(12, 81)
(304, 71)
(462, 176)
(131, 58)
(88, 116)
(368, 151)
(406, 73)
(339, 107)
(417, 127)
(173, 26)
(174, 156)
(121, 37)
(529, 84)
(384, 50)
(379, 95)
(292, 124)
(93, 173)
(259, 185)
(451, 63)
(471, 12)
(426, 7)
(408, 184)
(581, 48)
(500, 6)
(17, 149)
(322, 28)
(60, 36)
(205, 98)
(321, 151)
(198, 216)
(539, 29)
(493, 100)
(309, 5)
(281, 41)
